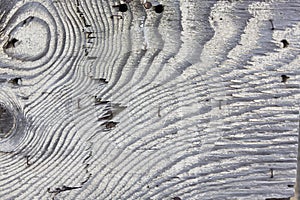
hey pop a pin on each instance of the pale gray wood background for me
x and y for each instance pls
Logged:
(188, 103)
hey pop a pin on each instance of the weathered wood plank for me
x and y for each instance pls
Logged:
(199, 101)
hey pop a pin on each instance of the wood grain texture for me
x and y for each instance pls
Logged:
(197, 102)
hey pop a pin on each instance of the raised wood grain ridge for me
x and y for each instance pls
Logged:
(200, 101)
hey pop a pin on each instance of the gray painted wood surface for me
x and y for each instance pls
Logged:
(197, 102)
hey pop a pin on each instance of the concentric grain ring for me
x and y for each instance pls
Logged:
(13, 124)
(31, 37)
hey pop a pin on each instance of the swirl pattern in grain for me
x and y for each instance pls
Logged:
(182, 100)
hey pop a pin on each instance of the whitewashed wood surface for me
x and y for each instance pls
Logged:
(189, 103)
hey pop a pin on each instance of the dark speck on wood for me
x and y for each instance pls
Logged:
(15, 81)
(176, 198)
(284, 78)
(285, 43)
(159, 8)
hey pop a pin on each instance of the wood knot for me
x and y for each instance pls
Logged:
(12, 123)
(7, 121)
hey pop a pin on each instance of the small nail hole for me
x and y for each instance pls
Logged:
(123, 8)
(147, 5)
(159, 8)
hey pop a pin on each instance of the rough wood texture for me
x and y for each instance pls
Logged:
(197, 102)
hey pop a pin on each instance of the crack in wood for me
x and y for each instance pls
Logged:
(272, 24)
(271, 173)
(87, 164)
(11, 43)
(62, 189)
(87, 179)
(27, 161)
